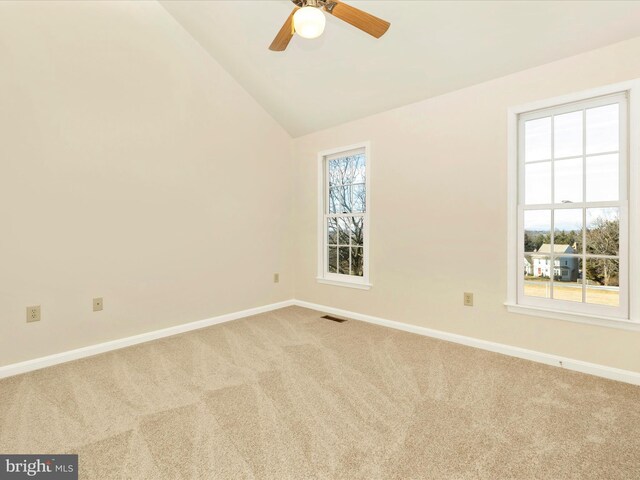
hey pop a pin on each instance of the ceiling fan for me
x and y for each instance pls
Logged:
(307, 20)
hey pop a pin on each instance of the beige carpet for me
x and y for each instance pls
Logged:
(287, 395)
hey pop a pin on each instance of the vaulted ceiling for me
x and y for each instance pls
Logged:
(432, 47)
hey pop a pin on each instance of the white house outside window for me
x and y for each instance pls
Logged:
(344, 216)
(572, 197)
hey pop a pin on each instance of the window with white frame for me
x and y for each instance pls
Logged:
(344, 216)
(573, 207)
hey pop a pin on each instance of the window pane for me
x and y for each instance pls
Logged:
(359, 198)
(344, 231)
(334, 199)
(334, 173)
(338, 171)
(567, 283)
(603, 231)
(536, 276)
(565, 268)
(332, 231)
(350, 171)
(340, 200)
(567, 140)
(333, 260)
(567, 228)
(356, 230)
(602, 178)
(360, 166)
(603, 284)
(537, 139)
(347, 170)
(343, 260)
(568, 180)
(537, 229)
(356, 262)
(602, 129)
(537, 188)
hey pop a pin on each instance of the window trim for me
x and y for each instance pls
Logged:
(337, 279)
(632, 322)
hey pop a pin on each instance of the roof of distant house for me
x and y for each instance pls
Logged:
(562, 248)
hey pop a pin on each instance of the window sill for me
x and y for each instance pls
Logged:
(574, 317)
(338, 283)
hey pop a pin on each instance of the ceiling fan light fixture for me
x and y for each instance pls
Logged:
(309, 22)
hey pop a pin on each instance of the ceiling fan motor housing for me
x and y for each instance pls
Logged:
(327, 4)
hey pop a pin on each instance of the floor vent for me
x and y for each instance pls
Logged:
(335, 319)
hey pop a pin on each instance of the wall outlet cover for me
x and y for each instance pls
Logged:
(33, 314)
(468, 299)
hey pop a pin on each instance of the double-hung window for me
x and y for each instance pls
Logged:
(343, 246)
(573, 221)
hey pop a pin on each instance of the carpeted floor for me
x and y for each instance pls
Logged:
(288, 395)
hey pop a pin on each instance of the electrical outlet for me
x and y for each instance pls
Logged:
(97, 304)
(468, 299)
(276, 278)
(33, 314)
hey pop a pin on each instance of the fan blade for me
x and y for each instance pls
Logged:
(364, 21)
(284, 35)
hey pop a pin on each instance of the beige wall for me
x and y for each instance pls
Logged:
(132, 167)
(438, 212)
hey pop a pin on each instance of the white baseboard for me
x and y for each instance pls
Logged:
(626, 376)
(611, 373)
(55, 359)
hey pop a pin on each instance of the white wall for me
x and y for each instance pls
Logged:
(132, 167)
(438, 212)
